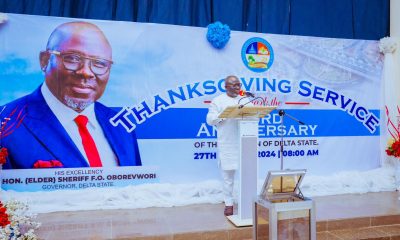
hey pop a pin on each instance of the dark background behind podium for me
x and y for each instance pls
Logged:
(357, 19)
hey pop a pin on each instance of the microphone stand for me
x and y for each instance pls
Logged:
(282, 114)
(241, 100)
(241, 106)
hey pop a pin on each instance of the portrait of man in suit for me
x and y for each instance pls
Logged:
(61, 123)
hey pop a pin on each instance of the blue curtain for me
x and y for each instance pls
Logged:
(360, 19)
(326, 17)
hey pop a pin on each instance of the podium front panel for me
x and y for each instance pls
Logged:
(248, 131)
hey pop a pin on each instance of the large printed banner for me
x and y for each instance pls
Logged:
(146, 90)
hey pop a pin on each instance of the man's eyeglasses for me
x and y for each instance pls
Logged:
(75, 61)
(234, 84)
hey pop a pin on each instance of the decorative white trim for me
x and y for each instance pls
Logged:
(3, 18)
(387, 45)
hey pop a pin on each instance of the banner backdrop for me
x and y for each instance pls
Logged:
(164, 76)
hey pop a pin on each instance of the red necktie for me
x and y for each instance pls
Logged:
(87, 141)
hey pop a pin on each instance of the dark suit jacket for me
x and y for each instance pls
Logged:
(40, 136)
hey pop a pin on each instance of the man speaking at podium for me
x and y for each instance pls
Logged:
(228, 137)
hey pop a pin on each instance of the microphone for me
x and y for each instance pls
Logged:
(242, 105)
(249, 94)
(246, 94)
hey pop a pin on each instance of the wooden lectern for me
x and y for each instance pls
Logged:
(248, 174)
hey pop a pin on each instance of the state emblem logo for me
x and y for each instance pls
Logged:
(257, 54)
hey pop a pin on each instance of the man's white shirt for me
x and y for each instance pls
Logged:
(227, 130)
(66, 117)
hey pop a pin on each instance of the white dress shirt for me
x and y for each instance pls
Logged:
(66, 117)
(227, 130)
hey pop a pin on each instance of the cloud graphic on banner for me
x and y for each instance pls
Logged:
(18, 77)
